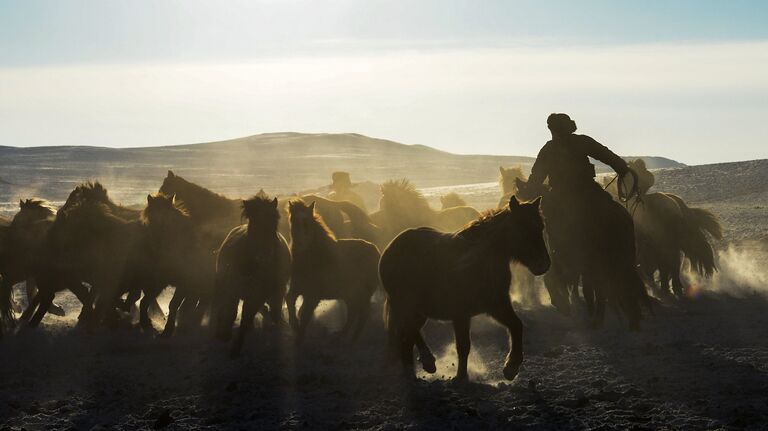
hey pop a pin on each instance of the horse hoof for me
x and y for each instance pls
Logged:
(511, 370)
(460, 378)
(428, 364)
(56, 310)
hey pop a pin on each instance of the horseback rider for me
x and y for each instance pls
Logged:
(341, 189)
(564, 161)
(587, 230)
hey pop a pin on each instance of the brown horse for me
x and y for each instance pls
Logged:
(668, 230)
(212, 214)
(253, 264)
(87, 243)
(432, 275)
(324, 267)
(22, 239)
(170, 252)
(402, 207)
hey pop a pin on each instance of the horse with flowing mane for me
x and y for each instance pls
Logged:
(454, 276)
(253, 265)
(402, 206)
(324, 267)
(22, 238)
(212, 214)
(668, 230)
(88, 242)
(169, 253)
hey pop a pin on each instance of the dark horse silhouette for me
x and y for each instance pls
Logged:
(20, 243)
(169, 252)
(253, 264)
(90, 241)
(454, 276)
(324, 267)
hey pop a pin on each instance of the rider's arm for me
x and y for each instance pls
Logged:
(600, 152)
(540, 168)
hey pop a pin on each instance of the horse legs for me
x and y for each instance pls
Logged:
(45, 300)
(84, 296)
(33, 304)
(361, 310)
(426, 357)
(463, 344)
(305, 316)
(173, 309)
(290, 302)
(251, 305)
(505, 315)
(226, 313)
(276, 305)
(144, 321)
(674, 274)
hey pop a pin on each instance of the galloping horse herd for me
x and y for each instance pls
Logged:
(448, 264)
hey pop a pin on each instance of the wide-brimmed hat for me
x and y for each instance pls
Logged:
(341, 179)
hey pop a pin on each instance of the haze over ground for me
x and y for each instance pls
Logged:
(457, 76)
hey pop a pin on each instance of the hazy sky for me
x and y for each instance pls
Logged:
(682, 79)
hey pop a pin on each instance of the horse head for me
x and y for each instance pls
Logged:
(262, 213)
(527, 229)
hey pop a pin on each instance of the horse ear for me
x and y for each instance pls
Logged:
(312, 207)
(149, 198)
(171, 174)
(274, 202)
(501, 170)
(513, 202)
(21, 203)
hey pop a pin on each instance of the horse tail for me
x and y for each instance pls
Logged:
(701, 218)
(694, 242)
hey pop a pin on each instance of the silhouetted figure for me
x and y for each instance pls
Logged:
(590, 235)
(341, 189)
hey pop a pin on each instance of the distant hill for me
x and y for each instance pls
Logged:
(278, 162)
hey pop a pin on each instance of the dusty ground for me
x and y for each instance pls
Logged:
(697, 364)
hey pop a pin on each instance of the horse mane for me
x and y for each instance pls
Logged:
(403, 194)
(175, 205)
(192, 188)
(250, 210)
(198, 200)
(484, 225)
(320, 228)
(38, 204)
(95, 192)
